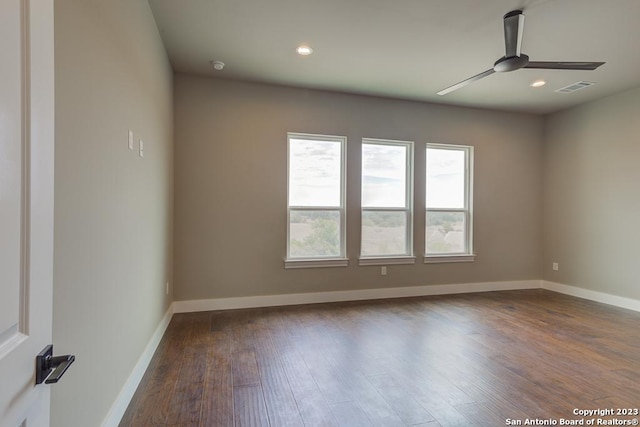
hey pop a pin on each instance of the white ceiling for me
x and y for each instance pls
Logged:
(408, 49)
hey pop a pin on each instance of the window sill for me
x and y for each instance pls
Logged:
(437, 259)
(396, 260)
(315, 263)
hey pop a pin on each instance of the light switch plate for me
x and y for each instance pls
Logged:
(130, 140)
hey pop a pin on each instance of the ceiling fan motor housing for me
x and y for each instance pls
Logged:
(511, 63)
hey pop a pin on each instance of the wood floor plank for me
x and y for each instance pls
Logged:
(401, 400)
(312, 406)
(186, 403)
(245, 369)
(217, 405)
(474, 359)
(444, 413)
(479, 415)
(361, 391)
(314, 409)
(249, 408)
(279, 400)
(329, 384)
(152, 406)
(350, 414)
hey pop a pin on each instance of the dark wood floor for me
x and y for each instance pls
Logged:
(474, 359)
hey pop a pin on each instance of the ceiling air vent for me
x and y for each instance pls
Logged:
(574, 87)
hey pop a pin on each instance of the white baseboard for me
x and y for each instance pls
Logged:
(121, 403)
(623, 302)
(410, 291)
(354, 295)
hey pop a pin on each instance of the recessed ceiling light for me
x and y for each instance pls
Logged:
(304, 50)
(538, 83)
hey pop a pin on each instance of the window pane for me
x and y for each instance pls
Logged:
(445, 233)
(384, 233)
(445, 178)
(384, 174)
(314, 172)
(314, 234)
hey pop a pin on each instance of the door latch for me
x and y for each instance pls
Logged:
(50, 368)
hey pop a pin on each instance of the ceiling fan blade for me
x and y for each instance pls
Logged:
(553, 65)
(466, 82)
(513, 30)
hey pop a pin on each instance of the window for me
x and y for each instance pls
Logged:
(387, 199)
(316, 199)
(448, 203)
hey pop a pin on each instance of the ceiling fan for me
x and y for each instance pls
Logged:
(514, 59)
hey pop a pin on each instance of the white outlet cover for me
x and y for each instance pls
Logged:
(141, 148)
(130, 140)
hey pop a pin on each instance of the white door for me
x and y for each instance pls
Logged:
(26, 206)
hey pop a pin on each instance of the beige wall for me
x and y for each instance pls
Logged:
(113, 209)
(230, 185)
(591, 195)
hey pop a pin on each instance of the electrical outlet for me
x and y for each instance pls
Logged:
(383, 270)
(555, 266)
(130, 140)
(141, 151)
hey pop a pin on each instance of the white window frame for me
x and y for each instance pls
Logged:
(407, 257)
(468, 254)
(330, 261)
